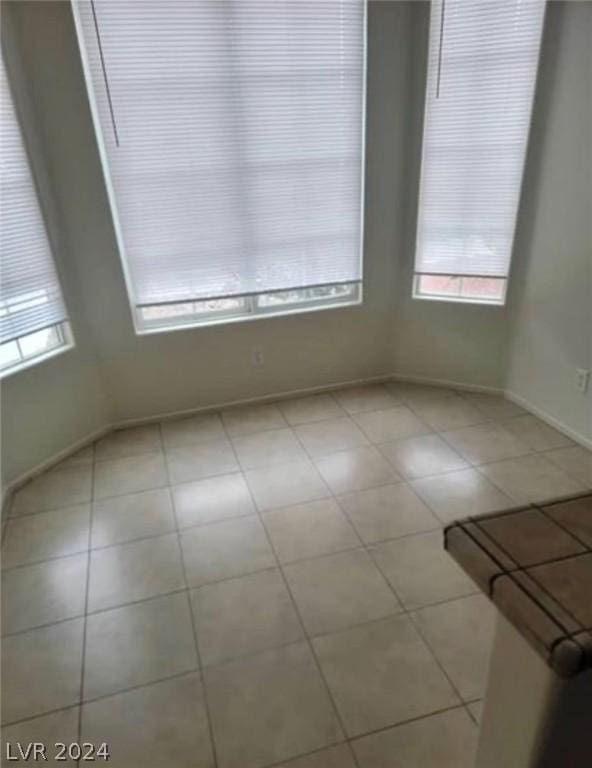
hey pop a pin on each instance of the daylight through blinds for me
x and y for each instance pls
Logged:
(30, 295)
(232, 134)
(482, 67)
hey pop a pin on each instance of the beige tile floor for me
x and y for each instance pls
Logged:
(267, 586)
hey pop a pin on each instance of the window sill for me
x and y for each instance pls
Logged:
(261, 314)
(31, 362)
(461, 289)
(460, 300)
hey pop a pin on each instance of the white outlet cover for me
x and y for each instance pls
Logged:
(582, 379)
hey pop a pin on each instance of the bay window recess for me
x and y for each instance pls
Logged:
(231, 135)
(482, 67)
(33, 319)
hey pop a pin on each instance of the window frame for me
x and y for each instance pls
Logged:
(251, 310)
(63, 328)
(416, 292)
(141, 328)
(460, 298)
(66, 343)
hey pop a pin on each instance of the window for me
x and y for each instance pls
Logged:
(232, 139)
(33, 321)
(482, 67)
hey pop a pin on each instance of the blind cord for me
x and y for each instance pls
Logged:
(104, 69)
(440, 49)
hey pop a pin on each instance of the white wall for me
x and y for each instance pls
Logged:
(115, 375)
(464, 343)
(551, 289)
(167, 372)
(53, 405)
(532, 346)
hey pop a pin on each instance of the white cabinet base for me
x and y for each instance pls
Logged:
(532, 718)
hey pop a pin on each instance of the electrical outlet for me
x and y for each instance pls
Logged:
(257, 357)
(582, 379)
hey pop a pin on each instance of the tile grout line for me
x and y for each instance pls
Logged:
(404, 610)
(295, 608)
(429, 476)
(341, 414)
(33, 563)
(386, 381)
(96, 612)
(309, 639)
(515, 499)
(437, 660)
(239, 470)
(45, 713)
(473, 464)
(148, 537)
(303, 755)
(587, 485)
(368, 548)
(86, 598)
(471, 715)
(491, 419)
(498, 487)
(196, 525)
(192, 616)
(89, 549)
(102, 697)
(290, 595)
(5, 516)
(342, 742)
(407, 721)
(230, 660)
(309, 642)
(226, 662)
(163, 533)
(336, 497)
(408, 613)
(532, 452)
(180, 591)
(100, 500)
(564, 528)
(373, 732)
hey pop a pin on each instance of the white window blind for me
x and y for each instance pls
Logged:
(483, 60)
(30, 296)
(232, 133)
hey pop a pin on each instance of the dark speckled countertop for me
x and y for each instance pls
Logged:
(535, 563)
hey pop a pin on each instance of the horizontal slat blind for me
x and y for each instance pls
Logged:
(483, 60)
(233, 133)
(30, 295)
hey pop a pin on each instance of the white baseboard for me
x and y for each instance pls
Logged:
(577, 437)
(136, 422)
(273, 397)
(53, 460)
(269, 398)
(463, 386)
